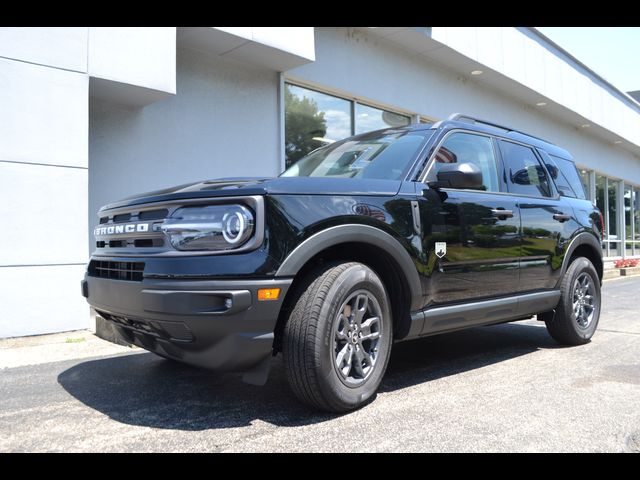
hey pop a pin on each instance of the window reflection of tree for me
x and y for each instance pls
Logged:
(304, 124)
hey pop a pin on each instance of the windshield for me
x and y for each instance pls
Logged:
(385, 154)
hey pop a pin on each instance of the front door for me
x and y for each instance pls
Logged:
(477, 232)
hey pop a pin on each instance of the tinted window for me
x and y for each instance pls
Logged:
(380, 155)
(468, 148)
(568, 175)
(525, 173)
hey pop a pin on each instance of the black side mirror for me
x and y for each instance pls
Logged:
(458, 175)
(553, 171)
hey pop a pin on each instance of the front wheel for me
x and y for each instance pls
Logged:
(577, 314)
(337, 341)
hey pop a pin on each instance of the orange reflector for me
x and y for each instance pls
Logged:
(268, 293)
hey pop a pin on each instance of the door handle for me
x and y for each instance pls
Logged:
(501, 212)
(561, 217)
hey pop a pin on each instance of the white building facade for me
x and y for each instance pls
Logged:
(89, 115)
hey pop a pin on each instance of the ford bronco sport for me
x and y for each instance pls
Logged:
(386, 236)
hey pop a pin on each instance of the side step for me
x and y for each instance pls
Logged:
(484, 312)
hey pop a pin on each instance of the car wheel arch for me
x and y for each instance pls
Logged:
(585, 244)
(369, 245)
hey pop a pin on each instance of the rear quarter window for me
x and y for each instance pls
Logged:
(565, 175)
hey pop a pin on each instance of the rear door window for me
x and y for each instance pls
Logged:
(525, 173)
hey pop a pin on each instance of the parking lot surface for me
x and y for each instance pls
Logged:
(502, 388)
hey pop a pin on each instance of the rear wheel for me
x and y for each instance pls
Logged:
(577, 314)
(337, 341)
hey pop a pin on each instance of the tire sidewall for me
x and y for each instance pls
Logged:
(357, 277)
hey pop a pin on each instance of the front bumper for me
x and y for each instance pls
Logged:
(215, 324)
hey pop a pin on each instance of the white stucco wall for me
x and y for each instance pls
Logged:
(43, 184)
(222, 122)
(43, 114)
(44, 142)
(50, 46)
(295, 40)
(524, 57)
(371, 68)
(141, 56)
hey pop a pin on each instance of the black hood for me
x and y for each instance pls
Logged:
(243, 186)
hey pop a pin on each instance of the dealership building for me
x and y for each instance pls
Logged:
(90, 115)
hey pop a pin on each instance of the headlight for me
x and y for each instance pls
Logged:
(215, 227)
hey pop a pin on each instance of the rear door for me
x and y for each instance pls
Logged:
(479, 229)
(547, 220)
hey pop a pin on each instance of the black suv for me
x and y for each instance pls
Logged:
(386, 236)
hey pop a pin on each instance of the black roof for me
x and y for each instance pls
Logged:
(467, 122)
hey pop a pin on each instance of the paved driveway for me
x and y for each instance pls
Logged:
(501, 388)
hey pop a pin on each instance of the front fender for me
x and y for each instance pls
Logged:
(351, 233)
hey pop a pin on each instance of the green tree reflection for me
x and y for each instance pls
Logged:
(302, 123)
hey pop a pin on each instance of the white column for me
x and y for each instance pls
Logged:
(43, 179)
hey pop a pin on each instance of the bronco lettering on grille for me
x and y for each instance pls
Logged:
(120, 229)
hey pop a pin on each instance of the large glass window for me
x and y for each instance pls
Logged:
(585, 176)
(607, 202)
(613, 210)
(371, 155)
(526, 174)
(601, 185)
(628, 220)
(314, 119)
(622, 229)
(601, 203)
(468, 148)
(370, 118)
(635, 202)
(628, 217)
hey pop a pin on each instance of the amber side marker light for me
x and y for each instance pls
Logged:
(268, 294)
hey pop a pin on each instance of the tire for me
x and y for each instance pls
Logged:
(321, 357)
(570, 326)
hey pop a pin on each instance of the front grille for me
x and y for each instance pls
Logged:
(159, 214)
(132, 271)
(125, 217)
(143, 216)
(118, 238)
(137, 243)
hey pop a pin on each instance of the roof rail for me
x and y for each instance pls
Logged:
(460, 117)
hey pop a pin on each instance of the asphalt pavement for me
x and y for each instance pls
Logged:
(501, 388)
